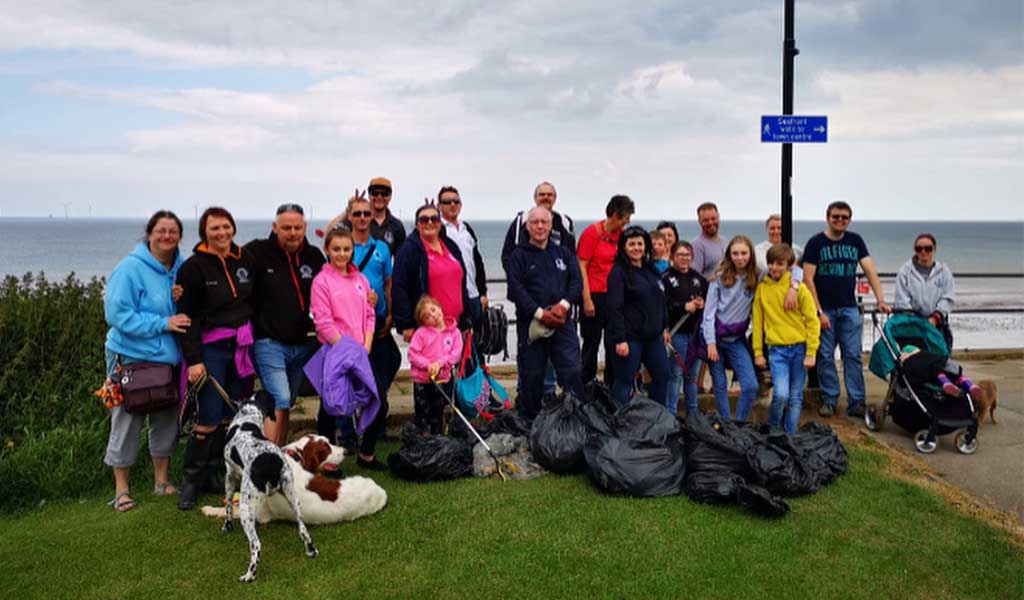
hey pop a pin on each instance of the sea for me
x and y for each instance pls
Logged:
(986, 257)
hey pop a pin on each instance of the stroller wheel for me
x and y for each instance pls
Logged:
(962, 445)
(871, 419)
(922, 444)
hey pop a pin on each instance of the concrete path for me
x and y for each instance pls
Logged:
(996, 471)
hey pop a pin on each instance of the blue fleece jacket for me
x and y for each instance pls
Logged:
(137, 304)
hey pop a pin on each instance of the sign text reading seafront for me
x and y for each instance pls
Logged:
(794, 129)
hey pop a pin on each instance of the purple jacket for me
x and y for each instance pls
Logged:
(342, 376)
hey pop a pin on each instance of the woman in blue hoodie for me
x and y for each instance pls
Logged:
(139, 305)
(637, 318)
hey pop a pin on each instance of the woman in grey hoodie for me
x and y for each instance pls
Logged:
(925, 286)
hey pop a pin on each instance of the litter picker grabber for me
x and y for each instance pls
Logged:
(680, 360)
(451, 403)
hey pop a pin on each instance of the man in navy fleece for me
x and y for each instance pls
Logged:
(543, 282)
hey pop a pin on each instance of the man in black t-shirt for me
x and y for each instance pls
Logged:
(830, 266)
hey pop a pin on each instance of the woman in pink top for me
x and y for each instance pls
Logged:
(339, 297)
(435, 349)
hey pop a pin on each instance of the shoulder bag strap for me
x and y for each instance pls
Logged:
(369, 254)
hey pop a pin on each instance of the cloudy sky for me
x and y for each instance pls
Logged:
(125, 106)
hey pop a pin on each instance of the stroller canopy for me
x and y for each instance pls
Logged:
(901, 329)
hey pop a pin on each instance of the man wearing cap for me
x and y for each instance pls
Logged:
(543, 282)
(384, 225)
(463, 235)
(563, 231)
(284, 268)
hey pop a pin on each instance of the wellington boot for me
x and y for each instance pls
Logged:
(213, 481)
(196, 455)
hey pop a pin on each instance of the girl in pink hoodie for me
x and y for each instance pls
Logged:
(339, 297)
(434, 350)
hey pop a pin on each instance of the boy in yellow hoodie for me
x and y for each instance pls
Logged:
(791, 337)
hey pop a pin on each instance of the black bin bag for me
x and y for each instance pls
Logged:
(558, 435)
(636, 467)
(642, 453)
(424, 458)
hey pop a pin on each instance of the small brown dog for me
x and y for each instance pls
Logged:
(986, 401)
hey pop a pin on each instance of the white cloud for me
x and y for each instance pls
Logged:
(659, 100)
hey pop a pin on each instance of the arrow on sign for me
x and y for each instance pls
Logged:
(819, 129)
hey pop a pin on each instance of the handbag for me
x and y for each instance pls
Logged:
(472, 391)
(148, 387)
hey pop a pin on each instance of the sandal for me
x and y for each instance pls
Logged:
(122, 502)
(164, 489)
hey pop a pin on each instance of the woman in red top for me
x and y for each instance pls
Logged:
(596, 255)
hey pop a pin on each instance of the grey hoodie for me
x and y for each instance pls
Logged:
(924, 297)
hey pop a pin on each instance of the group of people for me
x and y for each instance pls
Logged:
(231, 312)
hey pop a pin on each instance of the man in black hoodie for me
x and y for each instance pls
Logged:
(543, 282)
(284, 266)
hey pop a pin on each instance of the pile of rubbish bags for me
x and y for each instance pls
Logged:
(637, 450)
(424, 458)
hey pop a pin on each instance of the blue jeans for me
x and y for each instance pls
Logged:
(739, 358)
(652, 353)
(279, 367)
(788, 377)
(848, 329)
(681, 342)
(219, 359)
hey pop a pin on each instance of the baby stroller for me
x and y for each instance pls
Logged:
(920, 408)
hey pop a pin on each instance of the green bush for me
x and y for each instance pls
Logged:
(53, 430)
(51, 358)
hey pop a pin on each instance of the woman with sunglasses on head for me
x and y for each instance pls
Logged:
(925, 286)
(429, 263)
(637, 318)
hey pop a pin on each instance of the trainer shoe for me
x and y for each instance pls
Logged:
(855, 411)
(373, 465)
(826, 410)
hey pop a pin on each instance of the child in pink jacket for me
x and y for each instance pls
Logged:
(339, 296)
(434, 350)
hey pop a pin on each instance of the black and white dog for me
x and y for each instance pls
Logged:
(259, 469)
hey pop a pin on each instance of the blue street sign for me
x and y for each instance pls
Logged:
(794, 129)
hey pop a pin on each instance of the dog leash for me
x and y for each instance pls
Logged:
(207, 378)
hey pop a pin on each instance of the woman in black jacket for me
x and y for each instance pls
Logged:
(217, 283)
(637, 318)
(428, 263)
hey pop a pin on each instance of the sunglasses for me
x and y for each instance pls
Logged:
(424, 219)
(382, 192)
(839, 217)
(361, 213)
(286, 208)
(923, 248)
(451, 201)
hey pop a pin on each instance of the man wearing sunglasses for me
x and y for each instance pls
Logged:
(284, 268)
(384, 225)
(831, 259)
(462, 234)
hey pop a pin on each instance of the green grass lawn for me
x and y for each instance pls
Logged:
(866, 536)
